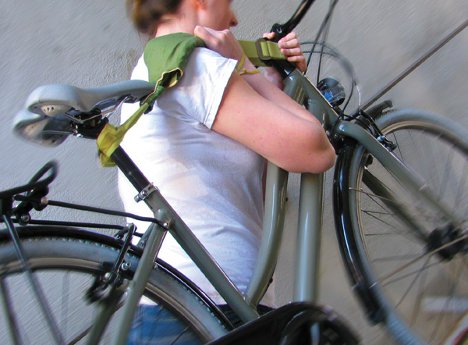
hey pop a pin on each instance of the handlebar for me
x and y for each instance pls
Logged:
(282, 30)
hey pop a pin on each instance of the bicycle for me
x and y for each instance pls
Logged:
(367, 143)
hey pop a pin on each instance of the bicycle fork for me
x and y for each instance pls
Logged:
(408, 178)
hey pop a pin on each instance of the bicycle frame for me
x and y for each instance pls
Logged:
(308, 244)
(309, 219)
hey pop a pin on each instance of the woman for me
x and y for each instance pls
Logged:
(205, 142)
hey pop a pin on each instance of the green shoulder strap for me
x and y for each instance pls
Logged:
(166, 57)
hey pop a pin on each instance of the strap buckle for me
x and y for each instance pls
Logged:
(260, 45)
(268, 50)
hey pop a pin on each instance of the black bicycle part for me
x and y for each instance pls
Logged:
(99, 210)
(347, 242)
(358, 180)
(365, 120)
(332, 90)
(323, 32)
(91, 125)
(285, 68)
(87, 225)
(86, 235)
(291, 324)
(129, 169)
(281, 30)
(14, 237)
(37, 182)
(446, 238)
(378, 109)
(112, 278)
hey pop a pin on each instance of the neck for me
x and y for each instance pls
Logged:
(184, 20)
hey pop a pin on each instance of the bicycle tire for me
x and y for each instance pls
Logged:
(68, 258)
(420, 288)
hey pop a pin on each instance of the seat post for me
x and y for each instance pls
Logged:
(129, 168)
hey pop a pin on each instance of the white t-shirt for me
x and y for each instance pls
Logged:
(213, 182)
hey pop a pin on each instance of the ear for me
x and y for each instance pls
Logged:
(199, 4)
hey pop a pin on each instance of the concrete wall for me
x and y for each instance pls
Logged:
(90, 43)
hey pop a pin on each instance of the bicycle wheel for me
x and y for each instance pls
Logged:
(412, 259)
(66, 262)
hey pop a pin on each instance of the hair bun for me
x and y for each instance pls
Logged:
(145, 14)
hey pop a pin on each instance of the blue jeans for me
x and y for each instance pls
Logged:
(156, 325)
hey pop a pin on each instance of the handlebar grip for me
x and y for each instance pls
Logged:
(279, 32)
(282, 30)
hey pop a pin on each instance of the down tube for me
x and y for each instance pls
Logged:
(275, 204)
(273, 220)
(309, 231)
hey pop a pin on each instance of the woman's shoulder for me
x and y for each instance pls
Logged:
(140, 71)
(201, 56)
(208, 54)
(206, 63)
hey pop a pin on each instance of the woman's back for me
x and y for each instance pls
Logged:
(213, 182)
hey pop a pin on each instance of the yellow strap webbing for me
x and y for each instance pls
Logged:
(110, 137)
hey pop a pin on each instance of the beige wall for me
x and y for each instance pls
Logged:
(89, 43)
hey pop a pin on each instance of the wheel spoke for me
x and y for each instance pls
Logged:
(412, 249)
(64, 303)
(395, 258)
(414, 232)
(9, 312)
(461, 187)
(422, 269)
(65, 268)
(419, 295)
(185, 330)
(33, 281)
(420, 257)
(440, 317)
(396, 278)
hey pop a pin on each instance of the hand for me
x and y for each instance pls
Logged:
(222, 42)
(291, 48)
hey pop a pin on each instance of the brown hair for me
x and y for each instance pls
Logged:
(145, 14)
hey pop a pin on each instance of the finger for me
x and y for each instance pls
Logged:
(204, 33)
(212, 38)
(296, 58)
(288, 37)
(292, 52)
(299, 61)
(269, 35)
(293, 43)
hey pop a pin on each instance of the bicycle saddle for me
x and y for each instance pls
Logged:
(50, 109)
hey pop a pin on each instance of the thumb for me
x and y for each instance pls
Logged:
(212, 38)
(199, 30)
(269, 35)
(204, 33)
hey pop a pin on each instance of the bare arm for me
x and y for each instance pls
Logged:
(290, 141)
(257, 114)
